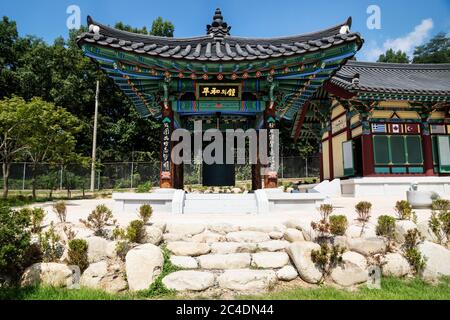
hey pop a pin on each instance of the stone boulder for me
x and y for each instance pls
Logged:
(309, 234)
(223, 227)
(208, 237)
(114, 283)
(168, 237)
(225, 261)
(348, 274)
(402, 227)
(247, 236)
(437, 260)
(273, 245)
(261, 226)
(184, 262)
(357, 231)
(394, 264)
(189, 280)
(111, 251)
(293, 235)
(287, 273)
(50, 274)
(233, 247)
(92, 276)
(247, 280)
(143, 264)
(153, 235)
(355, 258)
(276, 235)
(367, 246)
(300, 253)
(97, 249)
(426, 232)
(185, 228)
(183, 248)
(269, 260)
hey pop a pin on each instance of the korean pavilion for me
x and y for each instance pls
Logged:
(370, 119)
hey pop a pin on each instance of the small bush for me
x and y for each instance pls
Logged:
(60, 209)
(386, 227)
(145, 187)
(145, 212)
(325, 210)
(439, 222)
(50, 246)
(98, 219)
(410, 251)
(338, 225)
(404, 210)
(136, 231)
(37, 216)
(363, 209)
(78, 253)
(122, 248)
(327, 258)
(70, 234)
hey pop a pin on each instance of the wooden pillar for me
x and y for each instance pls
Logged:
(167, 167)
(321, 162)
(256, 171)
(427, 146)
(330, 153)
(368, 164)
(271, 179)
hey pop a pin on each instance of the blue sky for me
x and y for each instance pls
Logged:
(404, 24)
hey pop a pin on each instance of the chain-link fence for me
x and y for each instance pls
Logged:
(126, 175)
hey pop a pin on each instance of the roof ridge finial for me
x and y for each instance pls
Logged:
(218, 28)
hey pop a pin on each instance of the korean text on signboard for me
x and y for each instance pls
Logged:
(220, 91)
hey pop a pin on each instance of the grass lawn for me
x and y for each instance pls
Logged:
(392, 289)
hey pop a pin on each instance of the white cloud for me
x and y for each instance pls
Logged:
(405, 44)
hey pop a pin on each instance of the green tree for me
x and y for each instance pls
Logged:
(52, 136)
(162, 28)
(15, 127)
(437, 50)
(394, 57)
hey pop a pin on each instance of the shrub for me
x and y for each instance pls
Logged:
(404, 210)
(145, 187)
(323, 226)
(439, 222)
(386, 227)
(78, 253)
(36, 215)
(70, 234)
(338, 225)
(363, 209)
(14, 241)
(135, 231)
(60, 209)
(98, 219)
(327, 257)
(410, 251)
(145, 212)
(122, 248)
(49, 242)
(325, 211)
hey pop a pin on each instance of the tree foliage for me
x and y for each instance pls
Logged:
(393, 57)
(437, 50)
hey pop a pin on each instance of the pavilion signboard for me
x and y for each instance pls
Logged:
(218, 91)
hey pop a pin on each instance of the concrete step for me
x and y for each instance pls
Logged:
(220, 203)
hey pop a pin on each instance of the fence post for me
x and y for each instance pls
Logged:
(131, 178)
(24, 175)
(306, 167)
(61, 178)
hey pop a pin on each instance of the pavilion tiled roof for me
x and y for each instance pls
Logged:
(218, 45)
(394, 78)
